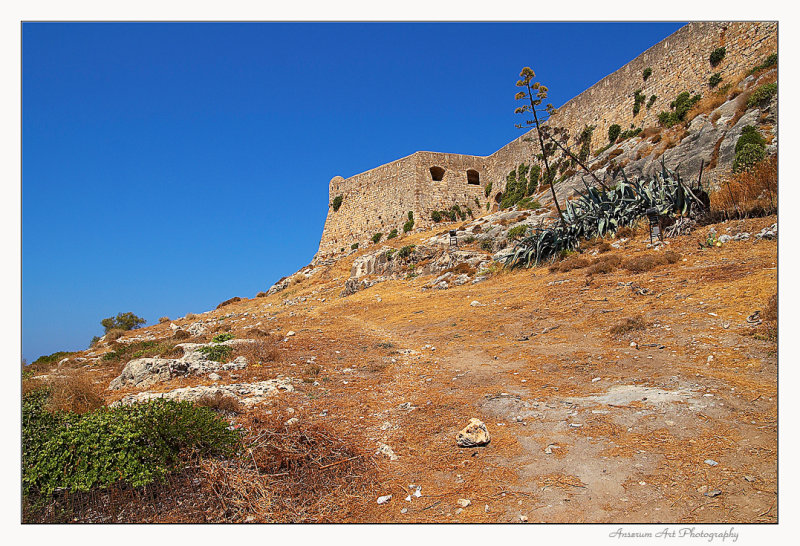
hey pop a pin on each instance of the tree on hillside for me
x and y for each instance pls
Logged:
(550, 138)
(535, 93)
(123, 321)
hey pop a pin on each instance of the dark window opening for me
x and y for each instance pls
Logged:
(437, 173)
(498, 197)
(473, 177)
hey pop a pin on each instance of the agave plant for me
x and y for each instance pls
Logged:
(596, 213)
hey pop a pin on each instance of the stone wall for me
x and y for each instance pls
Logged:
(379, 200)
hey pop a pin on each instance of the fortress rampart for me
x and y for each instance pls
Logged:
(379, 200)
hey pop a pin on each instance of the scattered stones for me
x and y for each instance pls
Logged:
(291, 422)
(290, 333)
(384, 499)
(475, 303)
(713, 493)
(749, 478)
(463, 503)
(404, 511)
(523, 519)
(711, 462)
(474, 434)
(214, 376)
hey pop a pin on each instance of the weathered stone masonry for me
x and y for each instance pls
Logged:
(379, 200)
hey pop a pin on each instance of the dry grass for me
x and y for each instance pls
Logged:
(226, 403)
(228, 302)
(461, 269)
(181, 334)
(573, 261)
(259, 352)
(648, 261)
(72, 392)
(768, 329)
(162, 320)
(630, 324)
(749, 193)
(114, 334)
(291, 475)
(604, 264)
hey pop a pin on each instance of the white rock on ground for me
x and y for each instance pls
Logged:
(247, 393)
(144, 372)
(474, 434)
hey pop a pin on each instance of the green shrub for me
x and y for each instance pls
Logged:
(680, 107)
(135, 444)
(533, 178)
(225, 336)
(762, 94)
(123, 321)
(53, 358)
(630, 133)
(377, 237)
(477, 202)
(488, 189)
(517, 232)
(770, 61)
(714, 80)
(646, 73)
(389, 253)
(217, 353)
(486, 245)
(392, 234)
(638, 100)
(750, 135)
(529, 203)
(337, 202)
(613, 133)
(651, 101)
(749, 155)
(436, 216)
(354, 246)
(716, 56)
(409, 225)
(406, 251)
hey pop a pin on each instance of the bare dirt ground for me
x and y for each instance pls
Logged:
(585, 427)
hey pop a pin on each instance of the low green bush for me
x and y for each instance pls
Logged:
(377, 237)
(135, 444)
(680, 107)
(516, 232)
(53, 358)
(749, 155)
(354, 246)
(392, 234)
(651, 101)
(436, 216)
(750, 135)
(409, 225)
(769, 62)
(714, 80)
(613, 133)
(225, 336)
(123, 321)
(716, 56)
(762, 94)
(647, 73)
(488, 189)
(217, 353)
(337, 202)
(406, 251)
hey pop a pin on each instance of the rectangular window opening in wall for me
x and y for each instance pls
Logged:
(473, 177)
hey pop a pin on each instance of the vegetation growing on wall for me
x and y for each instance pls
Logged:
(337, 202)
(638, 100)
(716, 56)
(409, 225)
(769, 62)
(377, 237)
(714, 80)
(488, 189)
(392, 234)
(646, 73)
(680, 106)
(651, 101)
(613, 132)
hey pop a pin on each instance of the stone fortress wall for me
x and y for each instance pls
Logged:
(379, 200)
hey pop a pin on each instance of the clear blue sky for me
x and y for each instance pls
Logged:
(168, 167)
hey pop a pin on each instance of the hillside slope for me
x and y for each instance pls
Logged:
(618, 396)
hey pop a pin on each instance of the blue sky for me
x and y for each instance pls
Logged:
(170, 166)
